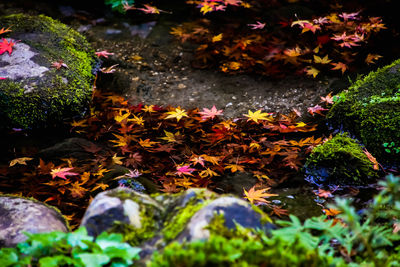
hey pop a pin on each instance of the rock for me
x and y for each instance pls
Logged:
(136, 215)
(339, 161)
(152, 223)
(370, 109)
(36, 94)
(20, 215)
(235, 183)
(70, 148)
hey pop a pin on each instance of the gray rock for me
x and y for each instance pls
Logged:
(235, 211)
(35, 93)
(19, 215)
(122, 206)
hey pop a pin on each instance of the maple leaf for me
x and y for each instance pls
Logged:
(103, 53)
(327, 99)
(6, 46)
(178, 113)
(258, 195)
(324, 193)
(311, 71)
(62, 172)
(208, 173)
(217, 38)
(372, 159)
(110, 69)
(279, 211)
(77, 191)
(234, 168)
(331, 212)
(339, 66)
(257, 25)
(3, 30)
(197, 160)
(256, 116)
(21, 161)
(181, 170)
(148, 9)
(59, 64)
(348, 16)
(317, 109)
(1, 78)
(323, 60)
(147, 143)
(371, 58)
(117, 160)
(210, 113)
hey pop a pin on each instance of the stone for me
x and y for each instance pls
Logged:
(34, 93)
(370, 109)
(339, 161)
(120, 208)
(19, 215)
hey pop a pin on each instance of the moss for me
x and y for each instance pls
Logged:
(149, 218)
(340, 160)
(59, 93)
(370, 109)
(181, 217)
(133, 235)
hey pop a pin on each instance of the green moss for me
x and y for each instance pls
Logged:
(370, 109)
(60, 94)
(181, 217)
(134, 236)
(339, 160)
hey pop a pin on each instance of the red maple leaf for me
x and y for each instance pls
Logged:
(62, 172)
(317, 109)
(6, 46)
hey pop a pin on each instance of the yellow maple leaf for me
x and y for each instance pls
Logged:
(21, 161)
(324, 60)
(258, 195)
(169, 137)
(208, 173)
(217, 38)
(117, 160)
(312, 71)
(147, 143)
(256, 116)
(234, 168)
(178, 113)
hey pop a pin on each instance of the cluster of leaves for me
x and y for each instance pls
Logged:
(5, 45)
(183, 149)
(330, 42)
(70, 249)
(350, 239)
(175, 148)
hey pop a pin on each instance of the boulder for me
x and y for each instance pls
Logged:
(339, 161)
(154, 222)
(35, 92)
(370, 109)
(19, 215)
(124, 210)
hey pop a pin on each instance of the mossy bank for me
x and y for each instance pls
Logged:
(35, 93)
(370, 109)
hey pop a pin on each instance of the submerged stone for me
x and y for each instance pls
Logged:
(19, 215)
(35, 93)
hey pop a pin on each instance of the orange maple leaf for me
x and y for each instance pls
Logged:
(257, 195)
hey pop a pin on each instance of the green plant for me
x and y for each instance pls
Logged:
(351, 239)
(118, 5)
(70, 249)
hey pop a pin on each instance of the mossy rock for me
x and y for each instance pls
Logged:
(35, 94)
(370, 109)
(339, 161)
(19, 215)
